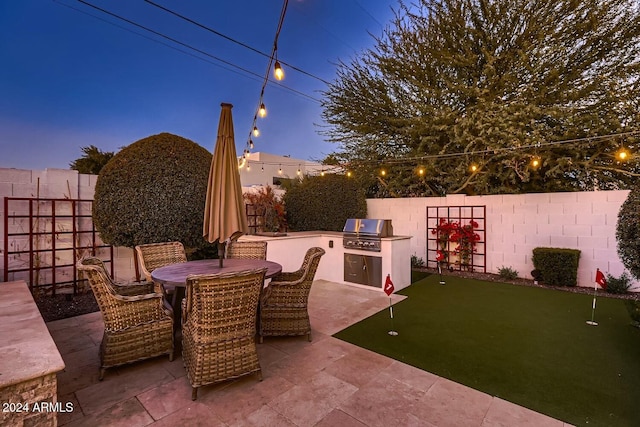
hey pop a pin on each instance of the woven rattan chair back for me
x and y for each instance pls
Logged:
(137, 324)
(156, 255)
(219, 326)
(283, 306)
(247, 250)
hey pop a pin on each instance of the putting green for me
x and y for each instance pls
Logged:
(530, 346)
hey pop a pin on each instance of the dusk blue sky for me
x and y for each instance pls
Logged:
(72, 76)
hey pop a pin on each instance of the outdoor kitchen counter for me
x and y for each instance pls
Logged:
(289, 250)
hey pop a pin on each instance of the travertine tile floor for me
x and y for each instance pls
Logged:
(326, 382)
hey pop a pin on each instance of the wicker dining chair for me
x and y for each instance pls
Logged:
(156, 255)
(283, 305)
(137, 323)
(247, 250)
(219, 316)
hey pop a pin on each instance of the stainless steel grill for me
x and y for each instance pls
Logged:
(366, 234)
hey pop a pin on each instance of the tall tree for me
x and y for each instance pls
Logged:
(92, 161)
(495, 83)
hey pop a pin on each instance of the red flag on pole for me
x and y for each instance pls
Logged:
(388, 286)
(600, 280)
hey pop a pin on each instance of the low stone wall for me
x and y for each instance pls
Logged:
(29, 361)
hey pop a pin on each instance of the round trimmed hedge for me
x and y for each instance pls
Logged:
(628, 232)
(324, 203)
(152, 191)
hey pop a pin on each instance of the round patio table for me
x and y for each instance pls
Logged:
(175, 275)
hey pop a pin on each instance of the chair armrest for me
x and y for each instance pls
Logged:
(138, 297)
(134, 288)
(287, 276)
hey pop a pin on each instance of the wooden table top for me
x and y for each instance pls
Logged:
(176, 274)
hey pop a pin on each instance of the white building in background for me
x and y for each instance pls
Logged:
(262, 169)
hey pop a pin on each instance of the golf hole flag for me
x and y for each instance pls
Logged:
(388, 289)
(388, 286)
(600, 280)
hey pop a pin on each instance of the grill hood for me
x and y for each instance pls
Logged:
(369, 227)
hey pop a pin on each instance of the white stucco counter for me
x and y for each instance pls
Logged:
(394, 257)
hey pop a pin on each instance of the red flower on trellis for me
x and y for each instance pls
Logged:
(466, 238)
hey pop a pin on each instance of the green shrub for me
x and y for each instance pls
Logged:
(507, 273)
(628, 232)
(153, 190)
(558, 267)
(416, 262)
(618, 285)
(324, 203)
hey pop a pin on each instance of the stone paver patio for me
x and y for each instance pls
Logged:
(326, 382)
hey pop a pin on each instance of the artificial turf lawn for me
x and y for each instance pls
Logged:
(530, 346)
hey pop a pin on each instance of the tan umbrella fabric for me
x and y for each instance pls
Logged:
(224, 212)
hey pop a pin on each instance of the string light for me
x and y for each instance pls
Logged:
(533, 159)
(280, 170)
(251, 144)
(535, 162)
(622, 154)
(278, 73)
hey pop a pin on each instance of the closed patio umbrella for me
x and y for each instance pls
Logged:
(224, 212)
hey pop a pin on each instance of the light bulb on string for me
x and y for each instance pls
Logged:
(262, 112)
(473, 168)
(383, 172)
(280, 170)
(251, 144)
(322, 173)
(299, 171)
(421, 171)
(277, 71)
(622, 154)
(349, 174)
(535, 162)
(256, 132)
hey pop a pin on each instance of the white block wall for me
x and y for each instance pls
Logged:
(516, 224)
(56, 184)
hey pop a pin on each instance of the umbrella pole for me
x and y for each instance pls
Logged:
(221, 252)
